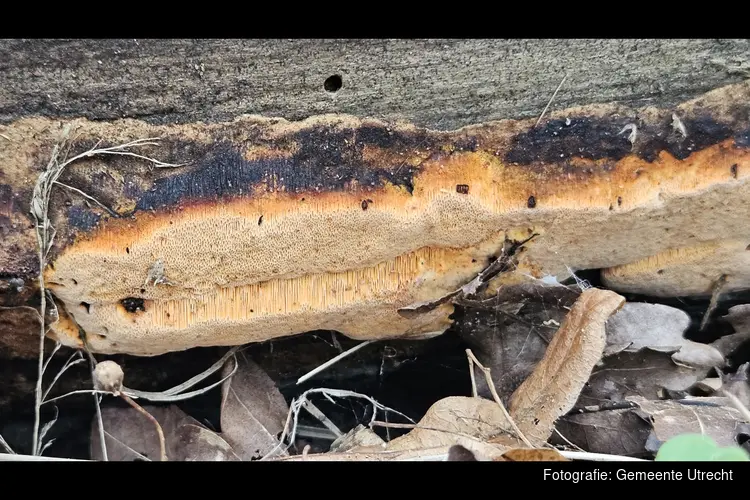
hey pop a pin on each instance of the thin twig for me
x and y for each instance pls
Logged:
(298, 403)
(550, 100)
(35, 458)
(99, 419)
(332, 361)
(88, 197)
(474, 392)
(567, 440)
(6, 446)
(718, 286)
(159, 431)
(65, 367)
(315, 412)
(493, 390)
(73, 393)
(392, 425)
(57, 347)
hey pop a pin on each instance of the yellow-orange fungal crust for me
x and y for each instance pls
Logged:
(326, 263)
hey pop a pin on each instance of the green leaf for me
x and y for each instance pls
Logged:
(698, 447)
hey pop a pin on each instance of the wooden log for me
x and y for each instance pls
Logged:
(278, 227)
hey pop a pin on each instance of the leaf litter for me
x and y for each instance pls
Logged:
(560, 373)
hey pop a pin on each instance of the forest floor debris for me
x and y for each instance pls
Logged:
(555, 373)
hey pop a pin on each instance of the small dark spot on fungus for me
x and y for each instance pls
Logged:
(132, 304)
(74, 281)
(733, 170)
(611, 207)
(619, 201)
(536, 421)
(86, 306)
(532, 202)
(252, 311)
(127, 249)
(462, 188)
(365, 204)
(333, 83)
(473, 260)
(169, 315)
(143, 290)
(260, 220)
(660, 271)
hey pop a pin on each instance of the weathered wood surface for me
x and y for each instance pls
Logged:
(440, 84)
(275, 227)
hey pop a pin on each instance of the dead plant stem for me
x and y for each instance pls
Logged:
(491, 385)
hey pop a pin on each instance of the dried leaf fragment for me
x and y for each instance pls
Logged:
(467, 421)
(712, 416)
(130, 436)
(555, 384)
(660, 328)
(253, 411)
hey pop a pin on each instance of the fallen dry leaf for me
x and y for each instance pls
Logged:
(713, 416)
(358, 439)
(738, 383)
(532, 455)
(555, 384)
(509, 333)
(470, 422)
(613, 432)
(642, 373)
(739, 317)
(253, 411)
(195, 443)
(130, 436)
(728, 344)
(658, 327)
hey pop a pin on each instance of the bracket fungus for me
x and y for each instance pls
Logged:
(276, 228)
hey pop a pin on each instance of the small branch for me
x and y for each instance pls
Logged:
(159, 431)
(474, 392)
(332, 361)
(550, 100)
(72, 393)
(99, 419)
(88, 197)
(573, 445)
(493, 390)
(6, 446)
(315, 412)
(613, 405)
(65, 367)
(718, 286)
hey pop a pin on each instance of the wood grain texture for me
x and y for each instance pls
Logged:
(439, 84)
